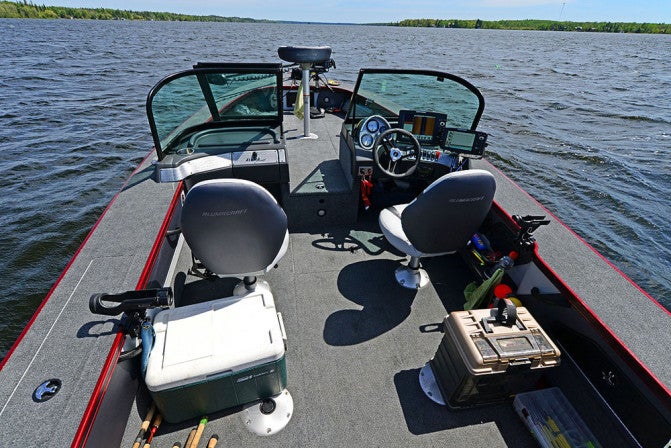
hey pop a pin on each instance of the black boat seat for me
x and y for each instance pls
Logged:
(302, 55)
(439, 221)
(234, 227)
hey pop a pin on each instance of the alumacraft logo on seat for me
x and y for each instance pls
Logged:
(473, 199)
(241, 211)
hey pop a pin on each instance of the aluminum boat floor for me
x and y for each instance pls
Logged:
(356, 342)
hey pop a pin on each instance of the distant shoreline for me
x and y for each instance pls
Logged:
(28, 10)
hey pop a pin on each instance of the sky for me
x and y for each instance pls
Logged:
(371, 11)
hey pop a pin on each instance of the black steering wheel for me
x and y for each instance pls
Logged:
(386, 142)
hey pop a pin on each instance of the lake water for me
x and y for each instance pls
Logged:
(582, 121)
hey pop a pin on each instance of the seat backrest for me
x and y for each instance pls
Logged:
(447, 213)
(234, 227)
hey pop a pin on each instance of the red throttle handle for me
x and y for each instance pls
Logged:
(366, 187)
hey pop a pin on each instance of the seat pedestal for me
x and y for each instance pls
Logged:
(412, 276)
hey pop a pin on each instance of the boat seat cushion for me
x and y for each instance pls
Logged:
(443, 217)
(234, 227)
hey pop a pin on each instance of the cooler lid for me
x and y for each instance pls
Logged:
(213, 338)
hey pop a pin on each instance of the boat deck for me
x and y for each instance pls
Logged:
(64, 340)
(356, 340)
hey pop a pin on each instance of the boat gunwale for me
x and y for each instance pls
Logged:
(626, 354)
(30, 322)
(111, 361)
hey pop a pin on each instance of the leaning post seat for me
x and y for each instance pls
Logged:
(439, 221)
(306, 57)
(229, 352)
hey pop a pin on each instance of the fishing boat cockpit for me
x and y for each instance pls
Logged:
(366, 174)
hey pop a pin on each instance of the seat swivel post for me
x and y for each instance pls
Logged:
(250, 282)
(306, 100)
(413, 263)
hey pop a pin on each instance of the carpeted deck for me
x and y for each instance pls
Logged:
(356, 342)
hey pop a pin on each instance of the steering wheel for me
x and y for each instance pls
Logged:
(385, 142)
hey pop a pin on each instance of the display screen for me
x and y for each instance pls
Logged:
(465, 142)
(425, 126)
(460, 141)
(422, 127)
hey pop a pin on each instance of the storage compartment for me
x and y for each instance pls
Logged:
(215, 355)
(552, 420)
(483, 360)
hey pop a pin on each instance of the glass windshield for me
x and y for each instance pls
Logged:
(386, 93)
(213, 98)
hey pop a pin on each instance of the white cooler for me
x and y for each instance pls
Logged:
(216, 355)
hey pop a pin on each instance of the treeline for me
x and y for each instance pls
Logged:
(540, 25)
(28, 10)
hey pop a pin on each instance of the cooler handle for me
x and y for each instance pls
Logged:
(282, 331)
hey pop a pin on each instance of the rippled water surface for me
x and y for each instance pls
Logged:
(582, 121)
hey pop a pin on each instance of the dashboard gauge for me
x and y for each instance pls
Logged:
(383, 128)
(372, 126)
(367, 140)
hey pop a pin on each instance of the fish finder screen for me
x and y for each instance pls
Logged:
(421, 127)
(425, 126)
(460, 141)
(465, 142)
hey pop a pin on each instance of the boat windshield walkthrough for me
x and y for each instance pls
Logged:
(300, 262)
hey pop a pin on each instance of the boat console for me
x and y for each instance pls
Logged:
(219, 121)
(258, 155)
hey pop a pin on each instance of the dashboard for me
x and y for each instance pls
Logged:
(441, 148)
(256, 154)
(430, 130)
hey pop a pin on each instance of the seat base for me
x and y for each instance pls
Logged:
(411, 278)
(268, 416)
(429, 385)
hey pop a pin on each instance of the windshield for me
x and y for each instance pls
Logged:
(213, 97)
(388, 92)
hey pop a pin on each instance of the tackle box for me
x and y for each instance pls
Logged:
(552, 420)
(484, 358)
(216, 355)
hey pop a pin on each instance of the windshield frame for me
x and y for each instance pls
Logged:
(198, 71)
(351, 115)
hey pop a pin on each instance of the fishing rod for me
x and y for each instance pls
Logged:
(144, 426)
(154, 428)
(213, 441)
(198, 434)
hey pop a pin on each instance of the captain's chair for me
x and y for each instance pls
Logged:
(439, 221)
(235, 228)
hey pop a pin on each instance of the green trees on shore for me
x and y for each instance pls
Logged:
(27, 10)
(540, 25)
